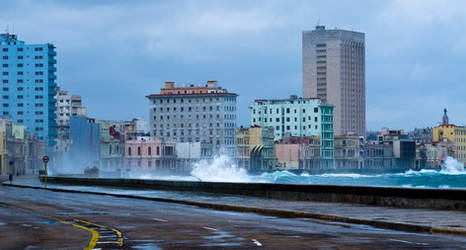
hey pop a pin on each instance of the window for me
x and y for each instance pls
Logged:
(5, 65)
(20, 57)
(20, 49)
(316, 110)
(5, 49)
(5, 57)
(149, 151)
(5, 81)
(129, 150)
(139, 150)
(5, 73)
(20, 65)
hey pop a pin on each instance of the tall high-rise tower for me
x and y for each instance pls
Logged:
(334, 70)
(28, 85)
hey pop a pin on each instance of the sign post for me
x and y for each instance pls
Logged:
(45, 159)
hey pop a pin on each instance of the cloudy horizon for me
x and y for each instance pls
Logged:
(114, 53)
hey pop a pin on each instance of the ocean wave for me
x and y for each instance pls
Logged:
(350, 175)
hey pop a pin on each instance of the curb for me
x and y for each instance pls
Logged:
(276, 212)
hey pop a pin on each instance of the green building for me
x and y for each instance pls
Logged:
(300, 117)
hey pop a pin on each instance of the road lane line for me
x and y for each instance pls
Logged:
(210, 228)
(120, 239)
(256, 242)
(161, 220)
(409, 242)
(95, 234)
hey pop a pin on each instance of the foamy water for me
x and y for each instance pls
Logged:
(451, 175)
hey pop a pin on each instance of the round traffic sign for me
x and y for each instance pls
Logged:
(45, 159)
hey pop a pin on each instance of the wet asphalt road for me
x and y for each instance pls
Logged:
(52, 220)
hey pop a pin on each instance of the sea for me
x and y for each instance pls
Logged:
(452, 174)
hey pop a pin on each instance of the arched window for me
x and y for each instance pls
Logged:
(129, 150)
(139, 150)
(149, 151)
(158, 150)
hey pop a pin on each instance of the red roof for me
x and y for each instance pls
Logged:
(191, 94)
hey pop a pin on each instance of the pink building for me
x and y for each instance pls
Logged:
(149, 153)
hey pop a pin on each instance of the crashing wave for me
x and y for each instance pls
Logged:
(219, 169)
(452, 166)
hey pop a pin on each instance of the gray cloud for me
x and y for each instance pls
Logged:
(113, 53)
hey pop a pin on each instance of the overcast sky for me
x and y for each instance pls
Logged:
(114, 53)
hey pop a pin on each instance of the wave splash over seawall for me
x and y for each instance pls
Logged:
(452, 174)
(220, 169)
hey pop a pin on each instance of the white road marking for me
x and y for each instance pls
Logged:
(409, 242)
(256, 242)
(107, 242)
(210, 228)
(108, 236)
(161, 220)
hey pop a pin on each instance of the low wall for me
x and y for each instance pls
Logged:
(454, 199)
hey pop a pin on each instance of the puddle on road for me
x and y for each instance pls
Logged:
(222, 239)
(147, 246)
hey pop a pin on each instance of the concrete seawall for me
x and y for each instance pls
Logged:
(451, 199)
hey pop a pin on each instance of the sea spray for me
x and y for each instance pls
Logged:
(452, 166)
(219, 169)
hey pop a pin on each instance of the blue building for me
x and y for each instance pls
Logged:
(85, 142)
(27, 75)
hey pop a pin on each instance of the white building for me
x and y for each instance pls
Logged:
(205, 114)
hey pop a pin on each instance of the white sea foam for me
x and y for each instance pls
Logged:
(452, 166)
(348, 175)
(220, 169)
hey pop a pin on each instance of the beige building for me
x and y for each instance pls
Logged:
(256, 149)
(334, 70)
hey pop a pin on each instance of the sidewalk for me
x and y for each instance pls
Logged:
(422, 220)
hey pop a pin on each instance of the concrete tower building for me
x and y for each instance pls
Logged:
(28, 85)
(334, 70)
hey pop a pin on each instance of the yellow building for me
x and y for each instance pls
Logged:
(444, 131)
(255, 147)
(460, 144)
(454, 134)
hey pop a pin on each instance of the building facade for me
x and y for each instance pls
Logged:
(28, 85)
(453, 134)
(300, 153)
(150, 153)
(204, 114)
(256, 149)
(347, 152)
(85, 143)
(299, 117)
(334, 70)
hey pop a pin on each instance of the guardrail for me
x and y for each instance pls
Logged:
(452, 199)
